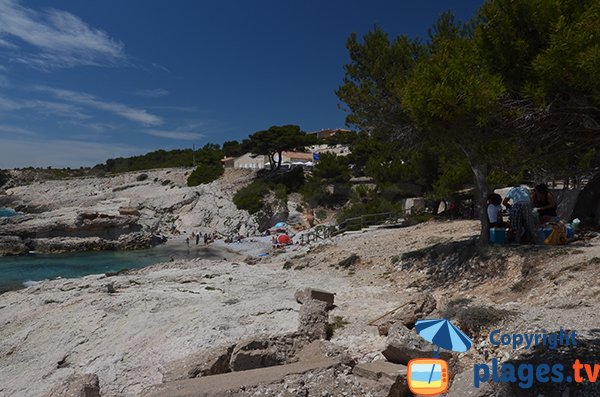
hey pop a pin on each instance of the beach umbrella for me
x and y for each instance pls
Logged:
(279, 225)
(284, 239)
(443, 334)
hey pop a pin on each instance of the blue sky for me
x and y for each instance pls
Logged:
(83, 81)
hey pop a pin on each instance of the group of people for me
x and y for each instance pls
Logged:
(208, 237)
(525, 210)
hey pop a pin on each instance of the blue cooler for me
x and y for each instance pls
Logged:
(569, 231)
(497, 235)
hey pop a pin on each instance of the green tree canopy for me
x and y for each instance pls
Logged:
(518, 82)
(276, 140)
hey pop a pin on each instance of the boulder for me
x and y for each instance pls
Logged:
(417, 307)
(462, 386)
(12, 245)
(252, 354)
(305, 294)
(386, 379)
(314, 319)
(85, 385)
(404, 345)
(267, 351)
(209, 362)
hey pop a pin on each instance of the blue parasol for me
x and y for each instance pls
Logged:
(443, 334)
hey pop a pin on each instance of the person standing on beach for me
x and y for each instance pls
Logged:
(197, 237)
(522, 223)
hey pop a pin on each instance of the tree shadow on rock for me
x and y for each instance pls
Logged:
(447, 263)
(586, 351)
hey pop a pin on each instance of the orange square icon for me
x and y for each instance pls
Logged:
(427, 376)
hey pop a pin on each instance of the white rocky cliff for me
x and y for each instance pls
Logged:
(132, 210)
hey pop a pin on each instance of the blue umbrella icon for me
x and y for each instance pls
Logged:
(443, 334)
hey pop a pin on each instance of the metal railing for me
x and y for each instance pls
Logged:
(363, 221)
(320, 232)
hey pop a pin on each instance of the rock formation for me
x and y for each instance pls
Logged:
(119, 212)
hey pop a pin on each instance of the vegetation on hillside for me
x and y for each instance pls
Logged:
(513, 90)
(4, 177)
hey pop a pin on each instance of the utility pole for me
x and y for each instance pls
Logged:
(194, 155)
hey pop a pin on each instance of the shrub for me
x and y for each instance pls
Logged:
(473, 319)
(250, 198)
(141, 177)
(204, 174)
(4, 177)
(321, 214)
(293, 179)
(280, 192)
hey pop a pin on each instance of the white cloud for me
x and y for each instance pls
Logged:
(46, 108)
(4, 43)
(9, 104)
(11, 129)
(151, 93)
(60, 38)
(178, 135)
(83, 99)
(50, 108)
(60, 153)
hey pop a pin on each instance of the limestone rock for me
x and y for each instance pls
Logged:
(380, 369)
(266, 351)
(404, 345)
(303, 295)
(85, 385)
(12, 245)
(209, 362)
(462, 386)
(121, 212)
(314, 319)
(417, 307)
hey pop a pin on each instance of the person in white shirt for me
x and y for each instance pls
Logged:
(494, 210)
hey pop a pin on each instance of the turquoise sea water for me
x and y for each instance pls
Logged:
(6, 212)
(16, 272)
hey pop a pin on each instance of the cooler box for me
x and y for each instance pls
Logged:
(569, 231)
(545, 232)
(497, 235)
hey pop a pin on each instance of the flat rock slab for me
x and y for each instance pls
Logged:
(380, 369)
(306, 294)
(217, 385)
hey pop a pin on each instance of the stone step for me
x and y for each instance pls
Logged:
(384, 378)
(223, 384)
(380, 369)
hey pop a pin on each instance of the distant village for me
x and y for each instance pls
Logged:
(306, 159)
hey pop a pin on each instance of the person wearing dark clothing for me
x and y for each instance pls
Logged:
(197, 238)
(544, 203)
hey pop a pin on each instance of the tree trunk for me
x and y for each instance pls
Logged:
(480, 173)
(588, 202)
(272, 162)
(279, 160)
(481, 194)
